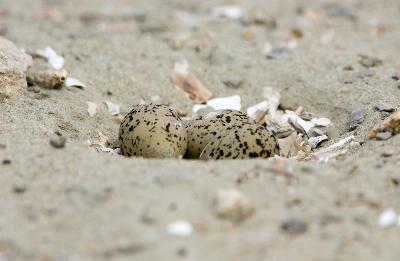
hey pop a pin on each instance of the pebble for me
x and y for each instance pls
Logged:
(383, 135)
(294, 226)
(384, 107)
(58, 142)
(277, 53)
(49, 79)
(396, 75)
(232, 81)
(365, 73)
(369, 61)
(356, 118)
(20, 188)
(387, 218)
(13, 65)
(349, 79)
(232, 205)
(307, 116)
(6, 162)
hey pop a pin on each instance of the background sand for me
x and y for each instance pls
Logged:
(76, 204)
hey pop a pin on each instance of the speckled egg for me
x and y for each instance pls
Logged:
(242, 142)
(152, 131)
(202, 129)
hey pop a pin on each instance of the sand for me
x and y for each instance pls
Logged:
(76, 204)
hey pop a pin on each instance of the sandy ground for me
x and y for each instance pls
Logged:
(77, 204)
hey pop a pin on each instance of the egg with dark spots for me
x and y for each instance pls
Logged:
(242, 142)
(152, 131)
(204, 128)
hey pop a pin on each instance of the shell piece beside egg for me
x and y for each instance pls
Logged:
(203, 129)
(152, 131)
(242, 142)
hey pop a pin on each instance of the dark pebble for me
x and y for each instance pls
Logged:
(19, 189)
(396, 75)
(356, 118)
(232, 81)
(6, 162)
(369, 61)
(294, 226)
(384, 107)
(58, 142)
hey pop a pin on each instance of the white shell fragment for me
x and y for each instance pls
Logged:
(322, 122)
(222, 103)
(182, 67)
(181, 228)
(340, 143)
(228, 11)
(273, 97)
(315, 141)
(387, 218)
(254, 110)
(92, 108)
(72, 82)
(305, 125)
(113, 108)
(55, 60)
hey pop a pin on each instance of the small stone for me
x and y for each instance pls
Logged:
(232, 81)
(383, 135)
(294, 226)
(58, 142)
(356, 118)
(307, 116)
(365, 73)
(349, 79)
(348, 67)
(369, 61)
(384, 107)
(396, 75)
(232, 205)
(36, 89)
(20, 188)
(277, 53)
(6, 161)
(50, 79)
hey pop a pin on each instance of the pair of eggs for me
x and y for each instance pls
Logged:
(156, 131)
